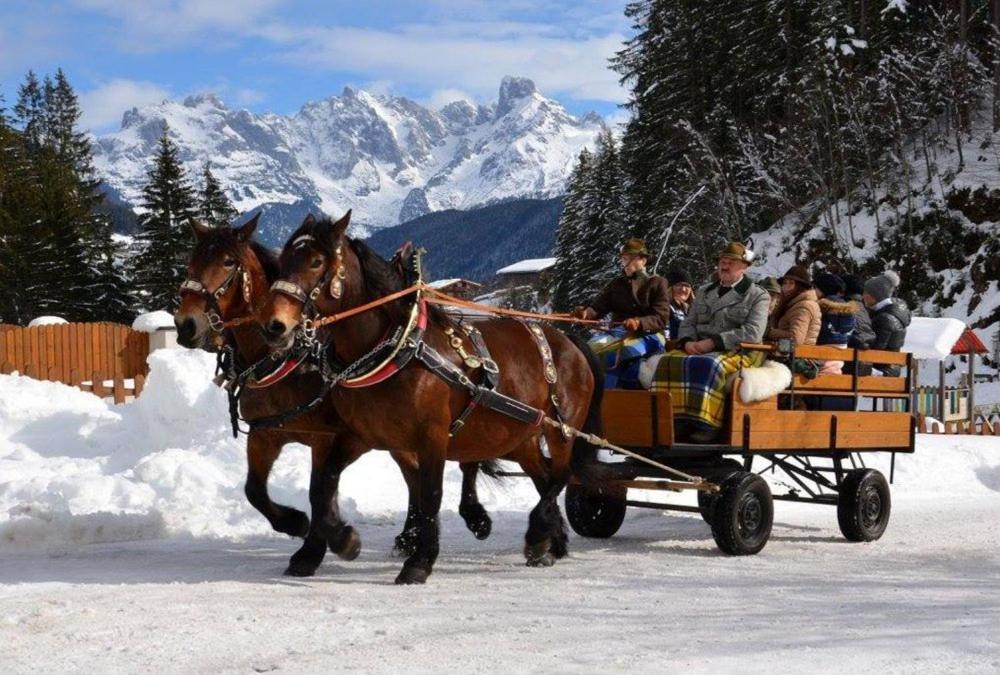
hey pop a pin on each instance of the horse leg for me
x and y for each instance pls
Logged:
(546, 538)
(419, 565)
(262, 450)
(475, 516)
(406, 541)
(342, 539)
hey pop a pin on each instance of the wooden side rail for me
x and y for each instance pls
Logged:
(825, 353)
(637, 418)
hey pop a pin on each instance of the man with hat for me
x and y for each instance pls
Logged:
(728, 311)
(637, 299)
(641, 303)
(725, 313)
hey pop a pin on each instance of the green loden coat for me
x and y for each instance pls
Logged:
(739, 315)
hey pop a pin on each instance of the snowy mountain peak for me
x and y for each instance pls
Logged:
(512, 90)
(387, 157)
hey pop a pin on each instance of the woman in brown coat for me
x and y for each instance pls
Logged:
(799, 317)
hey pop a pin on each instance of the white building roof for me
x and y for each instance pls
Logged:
(529, 265)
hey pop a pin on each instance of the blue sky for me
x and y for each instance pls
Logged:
(274, 55)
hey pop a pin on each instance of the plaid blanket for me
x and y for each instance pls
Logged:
(697, 384)
(622, 353)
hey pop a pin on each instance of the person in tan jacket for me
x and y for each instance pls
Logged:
(799, 316)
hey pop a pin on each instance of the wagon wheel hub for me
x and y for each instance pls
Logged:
(751, 515)
(871, 507)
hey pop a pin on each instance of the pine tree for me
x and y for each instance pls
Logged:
(164, 236)
(29, 111)
(214, 208)
(602, 219)
(569, 237)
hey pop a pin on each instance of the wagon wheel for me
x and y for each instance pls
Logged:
(595, 511)
(863, 505)
(706, 500)
(743, 514)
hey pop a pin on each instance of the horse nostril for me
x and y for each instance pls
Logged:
(276, 328)
(185, 328)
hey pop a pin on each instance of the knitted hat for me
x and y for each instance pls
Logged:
(882, 286)
(635, 247)
(798, 274)
(676, 276)
(829, 284)
(852, 285)
(737, 251)
(770, 285)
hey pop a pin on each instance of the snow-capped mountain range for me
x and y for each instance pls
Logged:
(386, 157)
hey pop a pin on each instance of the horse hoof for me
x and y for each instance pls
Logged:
(347, 546)
(300, 569)
(546, 560)
(559, 548)
(294, 525)
(478, 522)
(412, 575)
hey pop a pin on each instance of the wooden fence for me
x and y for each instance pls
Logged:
(105, 358)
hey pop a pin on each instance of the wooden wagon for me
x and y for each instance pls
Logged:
(820, 451)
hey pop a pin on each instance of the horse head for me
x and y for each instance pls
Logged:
(220, 284)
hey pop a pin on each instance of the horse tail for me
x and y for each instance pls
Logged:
(582, 450)
(491, 469)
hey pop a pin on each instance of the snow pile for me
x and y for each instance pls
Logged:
(46, 321)
(75, 469)
(928, 338)
(153, 321)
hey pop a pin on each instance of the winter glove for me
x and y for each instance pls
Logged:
(631, 324)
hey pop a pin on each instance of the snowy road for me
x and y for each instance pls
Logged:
(657, 596)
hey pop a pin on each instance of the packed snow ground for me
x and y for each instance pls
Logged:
(126, 544)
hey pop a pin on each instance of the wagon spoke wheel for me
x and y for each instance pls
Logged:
(743, 514)
(594, 511)
(863, 505)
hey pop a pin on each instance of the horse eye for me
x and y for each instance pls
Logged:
(229, 262)
(316, 263)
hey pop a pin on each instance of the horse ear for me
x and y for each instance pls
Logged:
(340, 227)
(199, 228)
(310, 220)
(245, 231)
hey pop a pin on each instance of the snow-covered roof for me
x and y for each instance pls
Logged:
(928, 338)
(445, 283)
(46, 321)
(529, 265)
(153, 321)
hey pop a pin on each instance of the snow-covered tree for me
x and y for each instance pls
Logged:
(214, 208)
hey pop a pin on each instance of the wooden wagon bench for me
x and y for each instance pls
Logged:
(820, 451)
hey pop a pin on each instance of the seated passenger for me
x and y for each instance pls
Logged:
(863, 333)
(798, 317)
(890, 316)
(641, 302)
(724, 314)
(681, 296)
(836, 329)
(773, 288)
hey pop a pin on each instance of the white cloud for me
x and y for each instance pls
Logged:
(470, 57)
(442, 97)
(102, 107)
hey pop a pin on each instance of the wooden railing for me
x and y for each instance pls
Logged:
(107, 359)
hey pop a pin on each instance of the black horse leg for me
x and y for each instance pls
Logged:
(475, 516)
(307, 559)
(342, 539)
(418, 566)
(406, 541)
(262, 450)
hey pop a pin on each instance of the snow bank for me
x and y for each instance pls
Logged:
(153, 321)
(75, 469)
(928, 338)
(46, 321)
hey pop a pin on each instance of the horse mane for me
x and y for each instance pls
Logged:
(268, 260)
(382, 279)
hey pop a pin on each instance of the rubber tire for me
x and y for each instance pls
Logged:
(863, 505)
(744, 514)
(595, 512)
(706, 501)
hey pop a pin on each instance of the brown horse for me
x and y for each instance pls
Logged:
(324, 271)
(239, 272)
